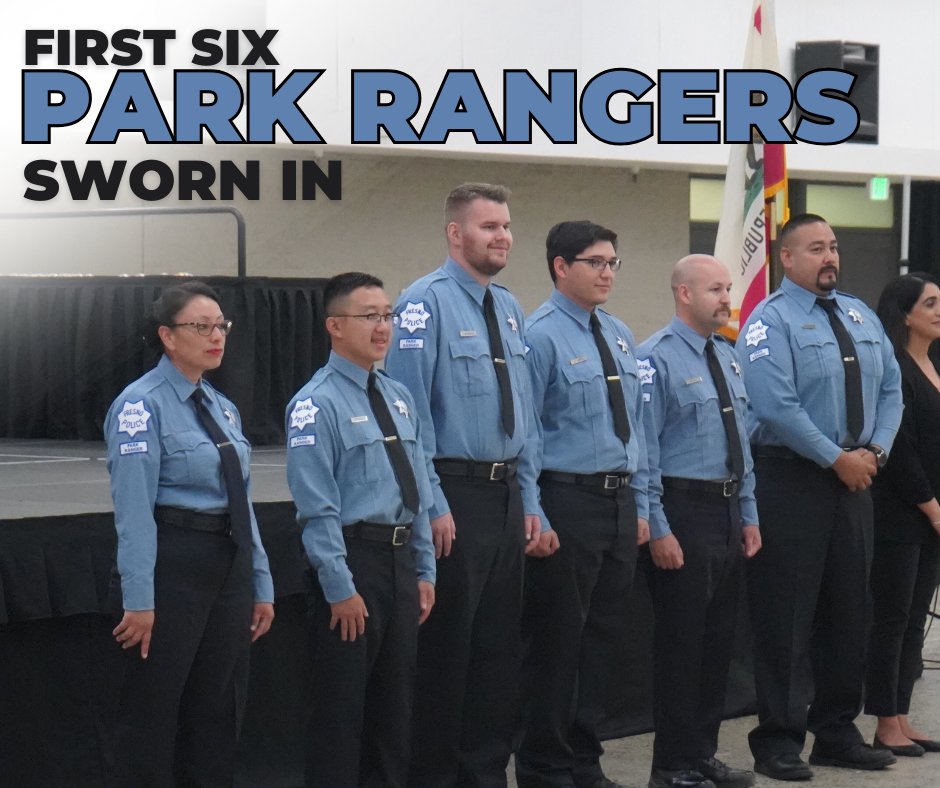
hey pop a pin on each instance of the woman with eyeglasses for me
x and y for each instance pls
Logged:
(907, 519)
(195, 586)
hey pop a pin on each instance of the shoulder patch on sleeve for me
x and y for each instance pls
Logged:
(759, 354)
(646, 371)
(133, 418)
(304, 413)
(414, 317)
(303, 440)
(134, 447)
(756, 333)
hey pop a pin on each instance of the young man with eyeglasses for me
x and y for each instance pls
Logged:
(358, 474)
(593, 481)
(459, 348)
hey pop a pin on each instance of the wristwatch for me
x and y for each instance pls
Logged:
(881, 456)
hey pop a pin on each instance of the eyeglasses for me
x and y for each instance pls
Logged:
(206, 329)
(598, 263)
(375, 317)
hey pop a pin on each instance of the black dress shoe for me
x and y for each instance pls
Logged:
(606, 782)
(722, 774)
(678, 778)
(904, 750)
(855, 756)
(928, 745)
(788, 766)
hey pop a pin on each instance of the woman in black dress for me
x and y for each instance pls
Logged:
(907, 518)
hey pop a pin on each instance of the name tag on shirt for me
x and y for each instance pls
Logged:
(577, 360)
(359, 419)
(693, 381)
(468, 333)
(137, 447)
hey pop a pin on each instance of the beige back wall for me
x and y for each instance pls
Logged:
(389, 222)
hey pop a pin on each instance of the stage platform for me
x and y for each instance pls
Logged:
(44, 478)
(57, 609)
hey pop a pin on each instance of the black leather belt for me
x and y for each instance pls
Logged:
(395, 535)
(725, 489)
(605, 481)
(474, 469)
(775, 453)
(193, 520)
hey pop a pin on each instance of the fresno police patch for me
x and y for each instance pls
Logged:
(133, 418)
(645, 370)
(304, 413)
(413, 317)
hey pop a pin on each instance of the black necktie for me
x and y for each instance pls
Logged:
(498, 353)
(735, 452)
(614, 386)
(238, 506)
(404, 473)
(854, 410)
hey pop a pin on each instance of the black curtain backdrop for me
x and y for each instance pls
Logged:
(60, 670)
(69, 345)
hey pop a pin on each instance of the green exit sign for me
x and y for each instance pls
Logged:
(878, 188)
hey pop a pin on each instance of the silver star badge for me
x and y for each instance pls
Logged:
(402, 407)
(623, 344)
(736, 367)
(230, 416)
(513, 324)
(856, 316)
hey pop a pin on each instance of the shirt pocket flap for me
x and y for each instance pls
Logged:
(359, 433)
(694, 394)
(184, 441)
(469, 347)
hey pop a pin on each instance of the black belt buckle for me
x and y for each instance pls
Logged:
(498, 472)
(729, 487)
(401, 535)
(612, 481)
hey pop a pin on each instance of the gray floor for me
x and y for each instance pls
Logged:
(44, 478)
(41, 478)
(628, 760)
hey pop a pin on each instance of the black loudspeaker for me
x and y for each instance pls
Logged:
(859, 59)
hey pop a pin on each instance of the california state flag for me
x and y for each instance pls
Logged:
(755, 201)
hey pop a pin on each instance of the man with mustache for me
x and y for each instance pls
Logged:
(459, 348)
(703, 522)
(826, 393)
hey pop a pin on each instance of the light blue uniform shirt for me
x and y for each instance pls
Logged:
(685, 436)
(441, 352)
(339, 471)
(570, 398)
(796, 379)
(160, 454)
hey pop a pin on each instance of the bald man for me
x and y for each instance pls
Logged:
(703, 521)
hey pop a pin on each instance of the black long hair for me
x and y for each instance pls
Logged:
(895, 304)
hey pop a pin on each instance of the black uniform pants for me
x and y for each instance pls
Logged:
(696, 614)
(574, 625)
(466, 698)
(361, 691)
(181, 708)
(808, 595)
(903, 580)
